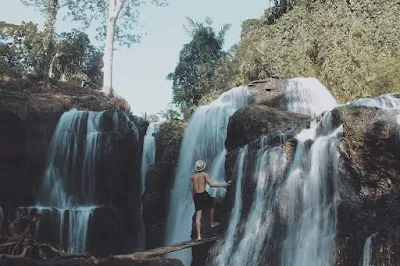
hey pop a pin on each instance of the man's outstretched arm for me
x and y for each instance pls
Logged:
(210, 182)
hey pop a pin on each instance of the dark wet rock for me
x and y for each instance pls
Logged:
(268, 92)
(88, 262)
(251, 122)
(369, 187)
(28, 122)
(159, 182)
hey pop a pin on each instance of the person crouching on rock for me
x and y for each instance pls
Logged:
(201, 197)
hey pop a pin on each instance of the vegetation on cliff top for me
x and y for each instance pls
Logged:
(196, 72)
(352, 47)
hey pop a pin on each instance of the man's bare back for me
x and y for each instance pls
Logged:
(201, 197)
(199, 182)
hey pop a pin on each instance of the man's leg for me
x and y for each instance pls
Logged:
(213, 224)
(198, 224)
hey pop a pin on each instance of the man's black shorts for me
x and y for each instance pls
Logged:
(203, 200)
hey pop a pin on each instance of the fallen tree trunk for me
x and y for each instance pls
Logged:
(164, 250)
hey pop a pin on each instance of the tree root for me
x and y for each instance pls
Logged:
(20, 256)
(16, 243)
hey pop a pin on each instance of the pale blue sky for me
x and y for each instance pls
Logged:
(140, 71)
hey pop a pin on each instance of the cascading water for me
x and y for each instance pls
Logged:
(204, 139)
(235, 214)
(312, 195)
(304, 197)
(311, 209)
(307, 96)
(261, 220)
(367, 252)
(148, 159)
(149, 154)
(69, 179)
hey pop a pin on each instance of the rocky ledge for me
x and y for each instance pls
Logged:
(92, 262)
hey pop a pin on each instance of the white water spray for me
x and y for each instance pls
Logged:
(230, 236)
(367, 252)
(69, 179)
(149, 154)
(204, 139)
(261, 219)
(307, 96)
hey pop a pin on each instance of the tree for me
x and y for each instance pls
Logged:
(50, 9)
(78, 59)
(198, 61)
(170, 115)
(20, 48)
(118, 19)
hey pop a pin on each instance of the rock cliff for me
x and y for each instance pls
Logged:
(28, 120)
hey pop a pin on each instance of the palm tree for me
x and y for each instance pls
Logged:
(192, 27)
(169, 115)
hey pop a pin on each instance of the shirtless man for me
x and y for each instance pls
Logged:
(201, 198)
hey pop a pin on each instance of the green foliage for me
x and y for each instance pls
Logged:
(20, 48)
(198, 60)
(170, 115)
(151, 118)
(168, 139)
(78, 59)
(21, 51)
(49, 8)
(87, 11)
(350, 46)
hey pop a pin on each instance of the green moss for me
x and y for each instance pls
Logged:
(351, 48)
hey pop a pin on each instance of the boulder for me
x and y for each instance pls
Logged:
(28, 122)
(255, 120)
(369, 186)
(91, 262)
(159, 182)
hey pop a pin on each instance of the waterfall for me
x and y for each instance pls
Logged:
(69, 179)
(149, 154)
(260, 222)
(235, 214)
(312, 189)
(307, 96)
(311, 210)
(204, 139)
(69, 176)
(367, 252)
(303, 197)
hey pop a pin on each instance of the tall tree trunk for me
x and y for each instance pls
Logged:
(114, 9)
(52, 7)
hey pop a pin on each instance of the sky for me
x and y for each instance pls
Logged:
(140, 71)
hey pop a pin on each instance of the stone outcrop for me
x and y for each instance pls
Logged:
(369, 171)
(160, 180)
(28, 121)
(155, 202)
(89, 262)
(369, 185)
(250, 122)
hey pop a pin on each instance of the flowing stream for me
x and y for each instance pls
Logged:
(149, 154)
(302, 196)
(67, 194)
(204, 139)
(367, 252)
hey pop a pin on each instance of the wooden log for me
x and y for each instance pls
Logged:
(164, 250)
